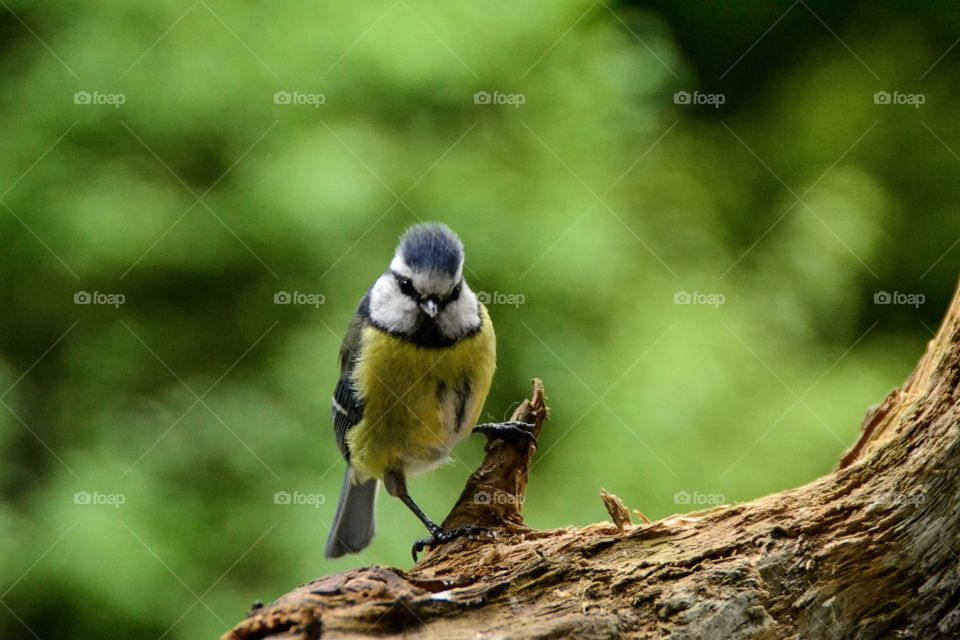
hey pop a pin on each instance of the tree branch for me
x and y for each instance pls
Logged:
(869, 551)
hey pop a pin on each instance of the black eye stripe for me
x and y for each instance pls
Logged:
(406, 286)
(454, 295)
(456, 292)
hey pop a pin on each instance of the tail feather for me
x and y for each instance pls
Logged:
(353, 525)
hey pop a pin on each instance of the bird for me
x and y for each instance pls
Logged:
(416, 364)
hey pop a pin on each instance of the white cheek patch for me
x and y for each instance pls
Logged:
(390, 308)
(460, 316)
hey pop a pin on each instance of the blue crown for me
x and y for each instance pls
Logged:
(431, 246)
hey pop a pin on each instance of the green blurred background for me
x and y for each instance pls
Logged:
(147, 153)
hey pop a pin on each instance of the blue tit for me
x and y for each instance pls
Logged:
(415, 368)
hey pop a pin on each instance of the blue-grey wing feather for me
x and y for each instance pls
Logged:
(347, 406)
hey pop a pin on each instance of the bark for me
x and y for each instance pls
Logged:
(869, 551)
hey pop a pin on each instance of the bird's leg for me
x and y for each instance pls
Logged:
(396, 485)
(431, 526)
(438, 535)
(511, 430)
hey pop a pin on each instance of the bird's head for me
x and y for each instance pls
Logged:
(424, 285)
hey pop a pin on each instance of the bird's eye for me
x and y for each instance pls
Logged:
(454, 294)
(406, 286)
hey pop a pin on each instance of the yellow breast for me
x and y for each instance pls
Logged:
(418, 402)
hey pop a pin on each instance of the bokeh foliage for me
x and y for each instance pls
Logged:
(597, 200)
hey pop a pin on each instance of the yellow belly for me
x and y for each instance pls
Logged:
(410, 419)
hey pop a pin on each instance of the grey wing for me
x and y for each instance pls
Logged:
(347, 406)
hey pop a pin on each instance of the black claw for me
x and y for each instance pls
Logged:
(442, 536)
(511, 430)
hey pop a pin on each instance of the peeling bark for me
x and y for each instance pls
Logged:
(869, 551)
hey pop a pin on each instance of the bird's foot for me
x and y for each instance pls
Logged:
(512, 430)
(442, 536)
